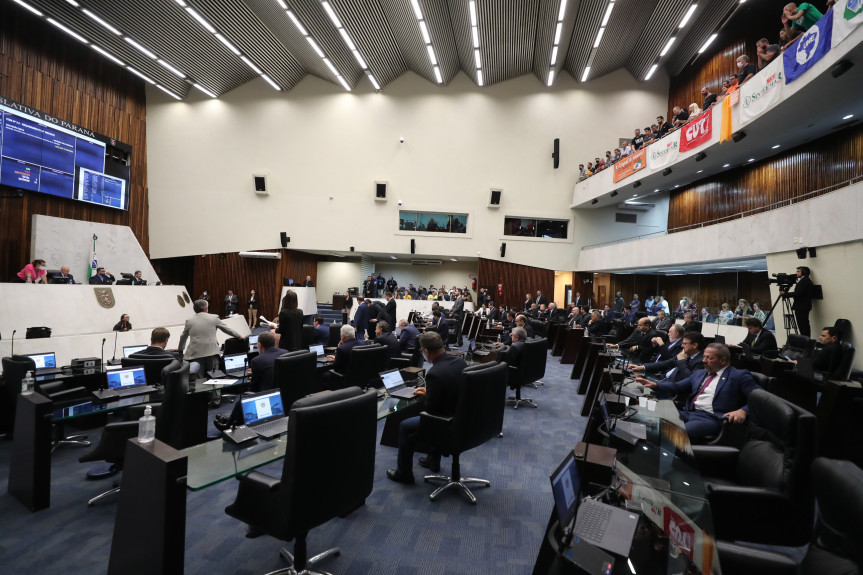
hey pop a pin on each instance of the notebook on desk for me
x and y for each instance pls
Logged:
(395, 384)
(125, 383)
(605, 526)
(46, 363)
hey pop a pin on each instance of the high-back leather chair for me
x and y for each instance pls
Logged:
(835, 546)
(796, 346)
(112, 449)
(364, 367)
(761, 493)
(294, 374)
(62, 396)
(335, 335)
(153, 366)
(235, 345)
(308, 336)
(843, 371)
(536, 354)
(327, 473)
(526, 370)
(170, 416)
(15, 368)
(478, 418)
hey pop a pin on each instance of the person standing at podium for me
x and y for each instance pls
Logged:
(252, 309)
(308, 282)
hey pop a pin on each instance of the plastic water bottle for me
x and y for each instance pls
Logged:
(28, 384)
(147, 426)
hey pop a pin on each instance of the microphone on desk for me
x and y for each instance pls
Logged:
(103, 353)
(12, 351)
(114, 355)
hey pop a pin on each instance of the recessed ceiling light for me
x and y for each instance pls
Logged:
(848, 117)
(751, 159)
(699, 171)
(774, 147)
(393, 258)
(453, 260)
(634, 195)
(676, 185)
(725, 165)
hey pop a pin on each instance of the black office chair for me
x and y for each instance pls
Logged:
(62, 396)
(171, 414)
(15, 369)
(835, 547)
(335, 335)
(364, 367)
(308, 336)
(111, 448)
(328, 433)
(153, 366)
(295, 375)
(235, 345)
(761, 493)
(478, 418)
(796, 346)
(843, 371)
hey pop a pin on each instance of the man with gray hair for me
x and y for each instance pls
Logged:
(408, 334)
(747, 70)
(200, 331)
(342, 357)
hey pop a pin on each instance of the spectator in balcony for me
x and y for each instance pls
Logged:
(582, 173)
(590, 169)
(709, 98)
(758, 313)
(801, 16)
(608, 158)
(648, 303)
(664, 127)
(743, 309)
(694, 110)
(599, 165)
(627, 150)
(766, 52)
(648, 135)
(706, 316)
(637, 140)
(747, 70)
(681, 116)
(725, 314)
(617, 155)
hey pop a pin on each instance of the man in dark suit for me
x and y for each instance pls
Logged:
(662, 321)
(758, 339)
(231, 301)
(443, 385)
(638, 345)
(390, 309)
(322, 332)
(101, 278)
(387, 338)
(827, 358)
(158, 341)
(440, 324)
(540, 299)
(361, 317)
(677, 367)
(458, 316)
(341, 359)
(580, 301)
(802, 294)
(407, 336)
(596, 327)
(64, 275)
(554, 313)
(607, 314)
(262, 364)
(716, 393)
(308, 282)
(516, 348)
(670, 348)
(690, 323)
(137, 280)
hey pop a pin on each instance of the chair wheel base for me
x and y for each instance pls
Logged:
(102, 472)
(516, 402)
(287, 555)
(461, 484)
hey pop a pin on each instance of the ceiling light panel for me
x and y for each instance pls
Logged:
(334, 18)
(555, 44)
(427, 39)
(475, 36)
(304, 31)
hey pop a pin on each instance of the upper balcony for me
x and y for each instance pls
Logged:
(773, 113)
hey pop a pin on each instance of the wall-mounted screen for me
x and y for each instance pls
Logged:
(44, 154)
(433, 222)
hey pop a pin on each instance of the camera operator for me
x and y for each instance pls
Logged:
(802, 295)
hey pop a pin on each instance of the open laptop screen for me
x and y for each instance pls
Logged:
(43, 360)
(123, 378)
(235, 361)
(130, 349)
(263, 406)
(566, 487)
(253, 340)
(392, 378)
(318, 349)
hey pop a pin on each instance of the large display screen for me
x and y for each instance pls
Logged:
(41, 153)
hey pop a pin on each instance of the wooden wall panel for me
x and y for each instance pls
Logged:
(217, 274)
(44, 69)
(828, 161)
(711, 290)
(754, 20)
(517, 281)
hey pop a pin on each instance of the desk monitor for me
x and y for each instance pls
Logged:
(566, 487)
(56, 280)
(125, 378)
(130, 349)
(44, 360)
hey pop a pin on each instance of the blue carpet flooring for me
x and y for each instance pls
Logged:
(398, 531)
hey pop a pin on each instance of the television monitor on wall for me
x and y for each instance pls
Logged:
(44, 154)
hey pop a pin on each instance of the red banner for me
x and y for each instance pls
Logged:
(697, 132)
(680, 533)
(630, 164)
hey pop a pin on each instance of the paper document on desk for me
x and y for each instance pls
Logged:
(221, 381)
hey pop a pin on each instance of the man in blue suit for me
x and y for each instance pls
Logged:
(407, 335)
(679, 366)
(361, 317)
(342, 357)
(322, 331)
(716, 393)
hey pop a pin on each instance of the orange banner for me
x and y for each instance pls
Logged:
(630, 164)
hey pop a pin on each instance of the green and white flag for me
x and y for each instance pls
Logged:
(847, 15)
(94, 261)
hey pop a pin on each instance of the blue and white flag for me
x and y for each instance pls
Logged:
(809, 48)
(847, 15)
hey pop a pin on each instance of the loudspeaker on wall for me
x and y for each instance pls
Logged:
(380, 191)
(413, 246)
(285, 239)
(260, 181)
(494, 198)
(503, 249)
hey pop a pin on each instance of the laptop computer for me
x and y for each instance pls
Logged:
(627, 431)
(125, 383)
(321, 353)
(605, 526)
(235, 364)
(130, 349)
(253, 341)
(395, 385)
(46, 363)
(264, 413)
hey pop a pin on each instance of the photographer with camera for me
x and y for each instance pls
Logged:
(802, 296)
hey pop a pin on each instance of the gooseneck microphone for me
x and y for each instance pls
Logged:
(114, 355)
(103, 352)
(12, 351)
